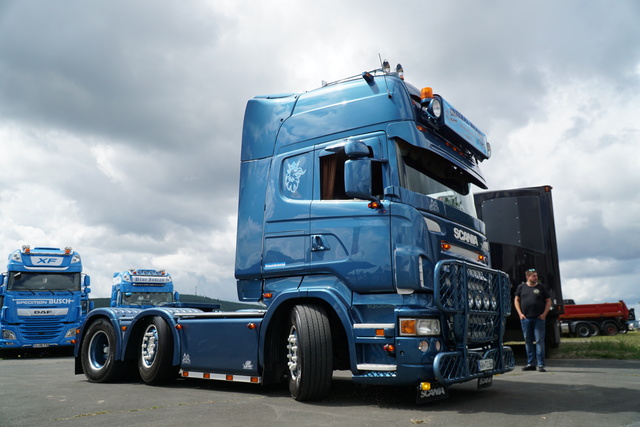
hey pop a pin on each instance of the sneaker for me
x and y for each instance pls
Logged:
(529, 368)
(541, 369)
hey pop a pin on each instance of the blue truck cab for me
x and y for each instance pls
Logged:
(44, 298)
(358, 234)
(142, 288)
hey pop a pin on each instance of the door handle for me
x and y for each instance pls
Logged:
(319, 243)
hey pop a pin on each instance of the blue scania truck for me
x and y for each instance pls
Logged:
(142, 288)
(357, 232)
(44, 299)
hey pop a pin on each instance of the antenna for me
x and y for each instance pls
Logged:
(382, 67)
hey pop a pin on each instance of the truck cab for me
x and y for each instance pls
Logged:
(142, 288)
(44, 298)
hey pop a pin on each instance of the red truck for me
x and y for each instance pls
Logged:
(586, 320)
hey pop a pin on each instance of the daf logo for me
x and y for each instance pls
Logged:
(41, 312)
(466, 237)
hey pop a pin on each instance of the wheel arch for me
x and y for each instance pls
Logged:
(272, 355)
(136, 328)
(95, 315)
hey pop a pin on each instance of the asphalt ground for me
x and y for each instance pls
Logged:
(45, 391)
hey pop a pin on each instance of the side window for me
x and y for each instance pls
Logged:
(332, 176)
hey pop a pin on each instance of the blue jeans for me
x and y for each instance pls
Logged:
(533, 331)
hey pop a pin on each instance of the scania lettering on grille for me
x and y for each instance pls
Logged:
(466, 237)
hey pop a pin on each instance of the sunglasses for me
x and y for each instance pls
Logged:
(531, 270)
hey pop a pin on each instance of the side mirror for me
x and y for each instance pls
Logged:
(357, 178)
(176, 296)
(356, 148)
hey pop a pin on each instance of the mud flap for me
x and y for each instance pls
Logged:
(436, 392)
(485, 382)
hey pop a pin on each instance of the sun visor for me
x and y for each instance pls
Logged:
(409, 133)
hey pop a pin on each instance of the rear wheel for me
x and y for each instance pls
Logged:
(156, 352)
(98, 353)
(309, 353)
(583, 330)
(610, 329)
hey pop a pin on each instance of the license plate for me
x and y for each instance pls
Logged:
(40, 345)
(485, 365)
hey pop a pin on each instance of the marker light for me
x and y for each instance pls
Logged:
(67, 250)
(425, 386)
(26, 249)
(374, 204)
(426, 93)
(445, 246)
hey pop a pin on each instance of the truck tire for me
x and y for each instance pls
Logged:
(98, 353)
(610, 329)
(583, 330)
(156, 352)
(309, 353)
(595, 329)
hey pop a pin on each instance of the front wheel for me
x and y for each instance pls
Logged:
(309, 353)
(98, 353)
(156, 351)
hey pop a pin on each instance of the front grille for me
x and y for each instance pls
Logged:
(476, 301)
(43, 330)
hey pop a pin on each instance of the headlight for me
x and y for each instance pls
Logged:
(486, 302)
(419, 327)
(435, 108)
(8, 335)
(70, 333)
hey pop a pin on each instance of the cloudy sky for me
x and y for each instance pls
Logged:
(120, 121)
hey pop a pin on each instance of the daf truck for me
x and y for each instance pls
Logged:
(44, 299)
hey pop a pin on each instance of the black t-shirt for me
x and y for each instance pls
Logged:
(532, 299)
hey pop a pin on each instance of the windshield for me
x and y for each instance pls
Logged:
(147, 298)
(24, 281)
(424, 172)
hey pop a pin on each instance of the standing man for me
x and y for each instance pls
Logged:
(533, 303)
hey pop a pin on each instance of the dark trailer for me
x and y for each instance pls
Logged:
(521, 232)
